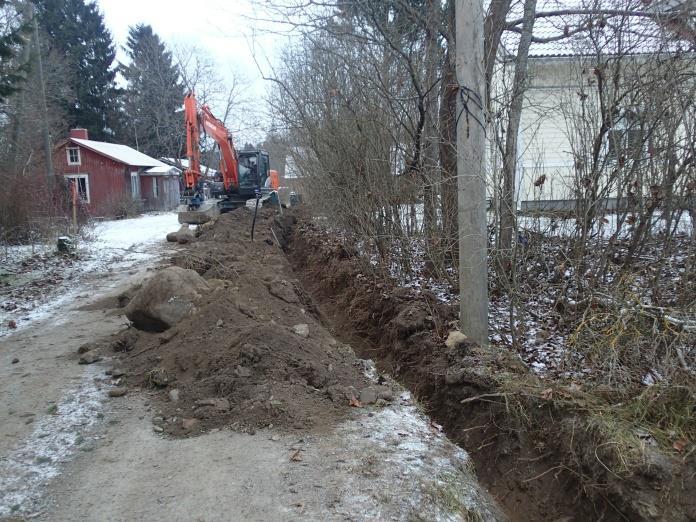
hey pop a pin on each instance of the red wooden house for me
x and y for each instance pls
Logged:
(108, 175)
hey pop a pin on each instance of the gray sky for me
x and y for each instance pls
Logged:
(222, 28)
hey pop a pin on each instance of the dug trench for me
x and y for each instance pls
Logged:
(257, 348)
(542, 449)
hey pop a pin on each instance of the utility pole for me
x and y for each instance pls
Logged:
(48, 151)
(471, 172)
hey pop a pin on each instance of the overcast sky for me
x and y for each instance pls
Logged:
(223, 28)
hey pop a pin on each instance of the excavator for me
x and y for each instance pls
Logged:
(246, 174)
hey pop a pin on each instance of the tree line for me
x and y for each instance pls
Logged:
(79, 57)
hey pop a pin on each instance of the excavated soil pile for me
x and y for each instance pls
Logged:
(535, 444)
(251, 353)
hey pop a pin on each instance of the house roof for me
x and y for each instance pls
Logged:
(121, 153)
(163, 170)
(576, 29)
(185, 163)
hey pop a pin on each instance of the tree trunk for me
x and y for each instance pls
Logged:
(493, 30)
(473, 280)
(507, 200)
(429, 169)
(48, 150)
(448, 146)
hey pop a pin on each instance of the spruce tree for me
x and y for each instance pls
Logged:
(12, 30)
(153, 96)
(76, 29)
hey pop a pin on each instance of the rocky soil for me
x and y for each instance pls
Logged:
(227, 338)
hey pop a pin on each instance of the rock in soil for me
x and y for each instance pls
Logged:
(15, 360)
(158, 377)
(283, 290)
(166, 298)
(125, 340)
(455, 338)
(89, 358)
(183, 235)
(217, 403)
(301, 329)
(174, 395)
(368, 395)
(87, 347)
(119, 391)
(189, 424)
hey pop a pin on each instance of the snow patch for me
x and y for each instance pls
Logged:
(57, 436)
(416, 460)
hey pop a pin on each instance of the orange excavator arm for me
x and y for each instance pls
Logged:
(228, 162)
(193, 171)
(202, 117)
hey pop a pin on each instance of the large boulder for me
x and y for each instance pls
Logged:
(166, 298)
(183, 235)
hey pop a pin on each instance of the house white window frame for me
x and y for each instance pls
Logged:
(619, 138)
(87, 198)
(155, 188)
(135, 185)
(68, 150)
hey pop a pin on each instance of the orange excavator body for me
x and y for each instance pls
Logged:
(202, 117)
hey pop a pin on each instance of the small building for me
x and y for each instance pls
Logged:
(110, 177)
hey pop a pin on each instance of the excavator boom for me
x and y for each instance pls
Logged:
(228, 162)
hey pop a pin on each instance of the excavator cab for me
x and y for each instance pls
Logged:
(254, 169)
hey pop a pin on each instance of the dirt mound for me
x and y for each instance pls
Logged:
(166, 298)
(546, 450)
(253, 354)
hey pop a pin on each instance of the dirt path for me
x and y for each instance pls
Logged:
(70, 452)
(363, 471)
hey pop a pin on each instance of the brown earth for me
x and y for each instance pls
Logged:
(253, 355)
(244, 360)
(537, 445)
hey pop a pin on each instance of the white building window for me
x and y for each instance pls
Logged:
(155, 188)
(73, 156)
(81, 183)
(625, 138)
(135, 185)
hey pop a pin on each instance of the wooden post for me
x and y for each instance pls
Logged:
(471, 174)
(73, 193)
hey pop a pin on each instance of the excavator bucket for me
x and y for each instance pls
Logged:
(207, 211)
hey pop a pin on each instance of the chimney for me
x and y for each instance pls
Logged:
(80, 134)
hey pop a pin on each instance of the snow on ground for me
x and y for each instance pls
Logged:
(57, 436)
(398, 449)
(434, 477)
(605, 226)
(42, 281)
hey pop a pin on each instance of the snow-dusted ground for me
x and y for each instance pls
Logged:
(51, 281)
(542, 345)
(55, 439)
(604, 227)
(46, 289)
